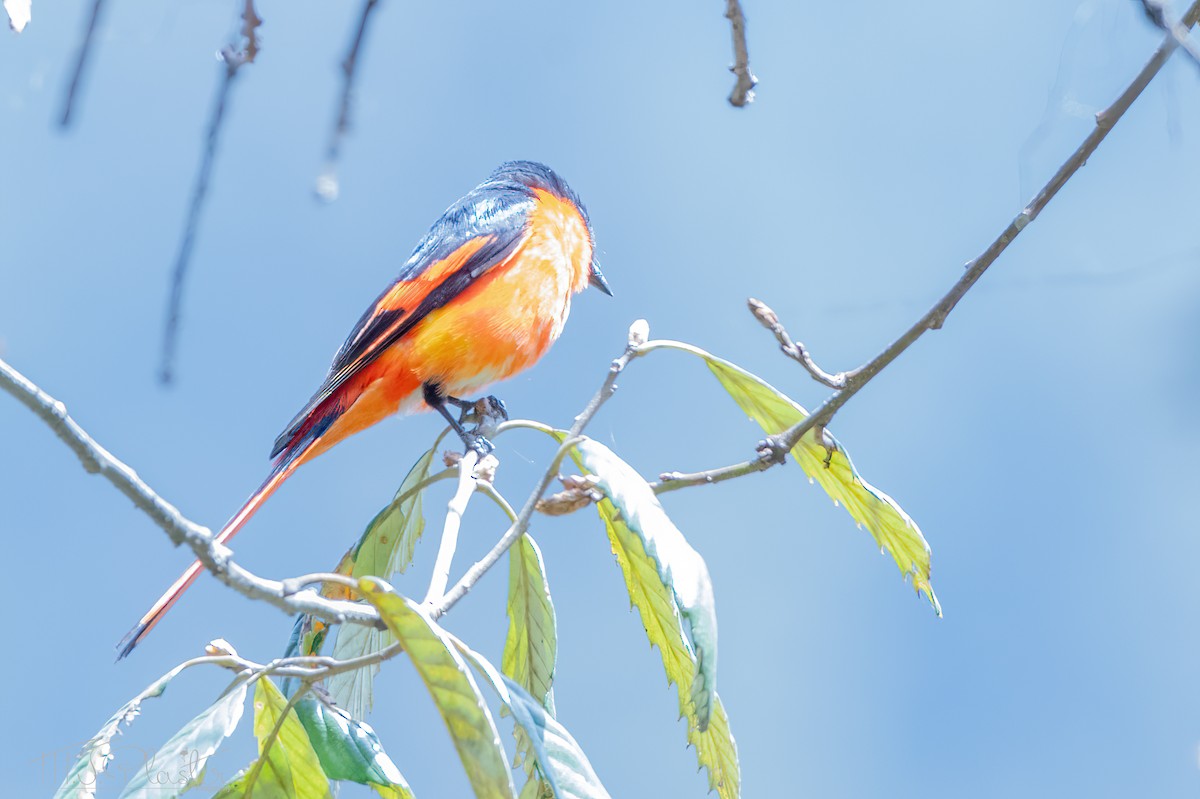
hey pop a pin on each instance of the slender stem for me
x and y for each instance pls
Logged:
(454, 513)
(489, 491)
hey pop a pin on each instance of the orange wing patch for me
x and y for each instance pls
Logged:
(407, 294)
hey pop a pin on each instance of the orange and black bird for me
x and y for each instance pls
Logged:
(483, 296)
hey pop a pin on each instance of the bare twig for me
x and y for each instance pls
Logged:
(327, 182)
(81, 59)
(182, 531)
(454, 513)
(743, 90)
(232, 61)
(251, 22)
(670, 481)
(795, 349)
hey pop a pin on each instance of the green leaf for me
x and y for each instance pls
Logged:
(349, 749)
(290, 768)
(452, 687)
(891, 527)
(385, 548)
(96, 753)
(179, 764)
(562, 761)
(678, 566)
(531, 646)
(716, 749)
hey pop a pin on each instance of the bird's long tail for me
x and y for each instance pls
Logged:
(279, 473)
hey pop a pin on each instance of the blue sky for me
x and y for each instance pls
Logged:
(1044, 440)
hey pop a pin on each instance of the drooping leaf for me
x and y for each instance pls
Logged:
(97, 752)
(349, 749)
(562, 762)
(385, 548)
(452, 687)
(716, 749)
(531, 646)
(892, 528)
(288, 766)
(19, 13)
(678, 566)
(188, 750)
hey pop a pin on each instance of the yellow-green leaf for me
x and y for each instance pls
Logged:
(531, 646)
(678, 566)
(289, 768)
(892, 528)
(715, 748)
(452, 687)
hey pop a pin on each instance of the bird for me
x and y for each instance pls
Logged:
(483, 296)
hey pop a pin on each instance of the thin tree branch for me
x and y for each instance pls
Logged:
(936, 316)
(81, 59)
(182, 531)
(327, 183)
(775, 447)
(233, 62)
(743, 90)
(1156, 11)
(454, 513)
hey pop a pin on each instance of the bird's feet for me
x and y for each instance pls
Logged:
(486, 414)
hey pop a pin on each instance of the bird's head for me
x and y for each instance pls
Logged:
(539, 177)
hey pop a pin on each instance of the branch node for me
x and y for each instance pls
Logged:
(772, 450)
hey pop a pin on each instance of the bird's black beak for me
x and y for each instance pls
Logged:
(596, 278)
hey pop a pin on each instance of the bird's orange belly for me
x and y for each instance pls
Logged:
(499, 326)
